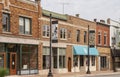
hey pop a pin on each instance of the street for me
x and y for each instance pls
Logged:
(111, 75)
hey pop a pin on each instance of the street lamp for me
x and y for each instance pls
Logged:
(88, 70)
(50, 61)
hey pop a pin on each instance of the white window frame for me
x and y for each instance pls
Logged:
(63, 33)
(46, 30)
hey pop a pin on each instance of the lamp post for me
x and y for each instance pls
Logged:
(113, 54)
(88, 69)
(50, 61)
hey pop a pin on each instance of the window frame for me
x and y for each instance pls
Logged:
(85, 36)
(105, 38)
(63, 33)
(7, 24)
(46, 29)
(99, 38)
(78, 36)
(24, 25)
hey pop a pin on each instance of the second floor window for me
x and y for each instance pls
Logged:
(24, 25)
(63, 32)
(85, 36)
(105, 38)
(78, 35)
(46, 30)
(99, 37)
(6, 22)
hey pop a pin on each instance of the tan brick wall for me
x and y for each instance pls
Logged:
(79, 24)
(69, 53)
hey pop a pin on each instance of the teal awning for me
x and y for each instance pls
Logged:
(78, 50)
(83, 50)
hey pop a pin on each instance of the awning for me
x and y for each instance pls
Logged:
(83, 50)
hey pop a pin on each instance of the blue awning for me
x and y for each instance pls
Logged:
(78, 50)
(83, 50)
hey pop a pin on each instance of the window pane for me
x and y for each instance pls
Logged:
(2, 47)
(27, 26)
(1, 60)
(21, 25)
(6, 22)
(33, 57)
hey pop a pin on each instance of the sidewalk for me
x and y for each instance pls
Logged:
(78, 74)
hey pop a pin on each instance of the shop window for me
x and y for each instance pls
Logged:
(81, 60)
(46, 57)
(93, 60)
(25, 25)
(1, 60)
(103, 61)
(28, 59)
(6, 22)
(62, 57)
(63, 33)
(75, 60)
(55, 57)
(2, 47)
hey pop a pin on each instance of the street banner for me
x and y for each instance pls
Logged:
(92, 38)
(54, 31)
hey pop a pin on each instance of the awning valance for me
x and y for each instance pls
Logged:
(83, 50)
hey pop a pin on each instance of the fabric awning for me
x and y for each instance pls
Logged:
(83, 50)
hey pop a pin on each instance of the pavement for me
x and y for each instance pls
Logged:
(73, 74)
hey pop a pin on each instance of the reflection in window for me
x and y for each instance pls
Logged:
(6, 22)
(1, 60)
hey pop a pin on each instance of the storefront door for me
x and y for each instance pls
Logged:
(13, 63)
(69, 64)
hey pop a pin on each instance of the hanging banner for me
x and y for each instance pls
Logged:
(92, 38)
(54, 31)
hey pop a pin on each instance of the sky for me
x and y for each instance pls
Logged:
(88, 9)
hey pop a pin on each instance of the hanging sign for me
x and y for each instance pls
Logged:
(54, 31)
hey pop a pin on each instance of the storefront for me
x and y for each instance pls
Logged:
(19, 58)
(58, 60)
(80, 58)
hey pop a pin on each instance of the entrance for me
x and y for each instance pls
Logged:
(69, 64)
(13, 63)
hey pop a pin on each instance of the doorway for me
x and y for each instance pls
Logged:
(13, 63)
(69, 64)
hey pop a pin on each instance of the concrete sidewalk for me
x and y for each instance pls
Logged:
(77, 74)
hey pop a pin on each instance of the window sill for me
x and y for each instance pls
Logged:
(6, 32)
(25, 34)
(45, 37)
(63, 39)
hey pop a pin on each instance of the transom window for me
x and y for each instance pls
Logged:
(24, 25)
(6, 22)
(63, 32)
(46, 30)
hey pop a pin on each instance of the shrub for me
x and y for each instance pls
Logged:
(3, 72)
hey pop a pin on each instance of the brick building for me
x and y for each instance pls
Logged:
(70, 52)
(19, 37)
(103, 45)
(24, 40)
